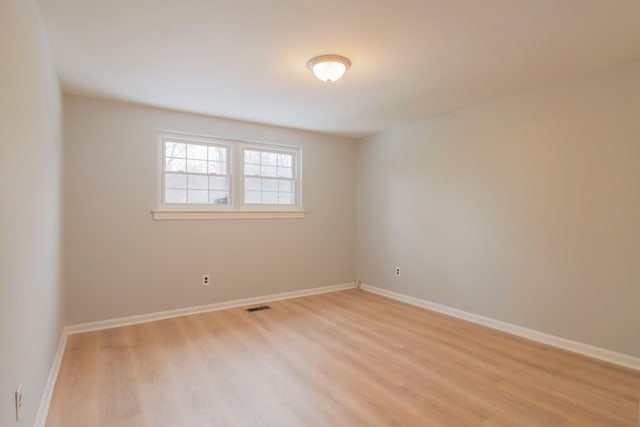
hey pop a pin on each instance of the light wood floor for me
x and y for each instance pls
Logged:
(347, 358)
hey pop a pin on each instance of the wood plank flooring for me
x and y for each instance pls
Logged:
(348, 358)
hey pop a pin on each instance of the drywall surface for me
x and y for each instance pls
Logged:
(121, 262)
(525, 209)
(31, 291)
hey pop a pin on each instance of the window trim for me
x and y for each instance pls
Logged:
(296, 177)
(160, 215)
(164, 137)
(236, 208)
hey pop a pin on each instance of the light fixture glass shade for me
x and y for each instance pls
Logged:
(329, 68)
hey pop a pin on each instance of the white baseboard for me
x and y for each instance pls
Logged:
(161, 315)
(577, 347)
(563, 343)
(45, 400)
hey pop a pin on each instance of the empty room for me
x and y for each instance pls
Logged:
(342, 213)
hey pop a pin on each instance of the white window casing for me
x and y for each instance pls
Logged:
(218, 178)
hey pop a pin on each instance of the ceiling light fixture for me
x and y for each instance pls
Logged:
(329, 68)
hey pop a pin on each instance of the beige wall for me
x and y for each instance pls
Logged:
(525, 209)
(31, 294)
(120, 262)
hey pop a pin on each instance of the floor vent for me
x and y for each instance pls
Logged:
(259, 308)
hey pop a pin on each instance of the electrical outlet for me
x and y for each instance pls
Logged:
(205, 280)
(18, 402)
(397, 271)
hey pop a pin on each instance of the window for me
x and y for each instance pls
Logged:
(269, 177)
(196, 173)
(202, 174)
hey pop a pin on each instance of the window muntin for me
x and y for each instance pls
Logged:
(195, 173)
(270, 176)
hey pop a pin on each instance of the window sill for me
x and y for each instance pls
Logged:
(198, 215)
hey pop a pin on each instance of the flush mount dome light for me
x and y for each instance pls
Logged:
(329, 68)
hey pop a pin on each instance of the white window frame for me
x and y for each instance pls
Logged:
(236, 208)
(271, 148)
(198, 140)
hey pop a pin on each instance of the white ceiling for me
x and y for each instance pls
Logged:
(247, 59)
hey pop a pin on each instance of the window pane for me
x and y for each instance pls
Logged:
(218, 183)
(198, 182)
(268, 171)
(218, 154)
(252, 170)
(174, 149)
(219, 168)
(254, 184)
(196, 152)
(284, 160)
(270, 197)
(285, 198)
(252, 157)
(252, 197)
(269, 184)
(218, 197)
(175, 180)
(269, 159)
(197, 166)
(175, 196)
(198, 196)
(174, 165)
(285, 172)
(285, 185)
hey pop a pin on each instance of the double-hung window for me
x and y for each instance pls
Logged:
(195, 173)
(269, 177)
(205, 174)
